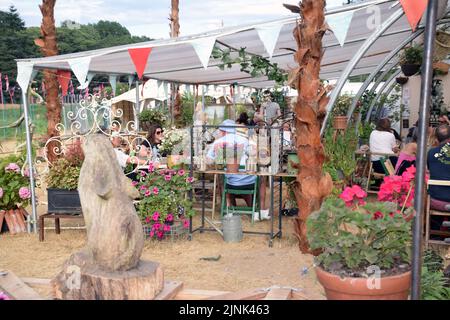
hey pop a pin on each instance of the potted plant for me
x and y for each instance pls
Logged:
(151, 116)
(365, 247)
(163, 206)
(15, 193)
(172, 145)
(340, 110)
(228, 154)
(62, 182)
(410, 60)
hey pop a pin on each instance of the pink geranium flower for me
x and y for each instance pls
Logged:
(186, 223)
(24, 193)
(155, 216)
(134, 183)
(160, 234)
(13, 167)
(347, 195)
(147, 193)
(359, 192)
(181, 172)
(152, 233)
(156, 226)
(166, 228)
(144, 187)
(189, 179)
(155, 191)
(169, 217)
(147, 219)
(151, 167)
(167, 177)
(4, 296)
(143, 173)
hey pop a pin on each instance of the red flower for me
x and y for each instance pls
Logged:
(377, 215)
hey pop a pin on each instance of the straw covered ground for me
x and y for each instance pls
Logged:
(245, 265)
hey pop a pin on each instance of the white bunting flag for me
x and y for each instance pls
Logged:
(84, 85)
(269, 36)
(203, 47)
(113, 82)
(24, 74)
(130, 81)
(80, 67)
(339, 23)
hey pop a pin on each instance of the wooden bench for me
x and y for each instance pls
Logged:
(56, 216)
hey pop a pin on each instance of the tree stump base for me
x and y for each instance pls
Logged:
(81, 280)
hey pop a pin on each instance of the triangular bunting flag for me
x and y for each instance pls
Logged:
(414, 10)
(24, 74)
(140, 58)
(86, 83)
(64, 79)
(80, 67)
(269, 36)
(130, 81)
(113, 82)
(203, 47)
(339, 23)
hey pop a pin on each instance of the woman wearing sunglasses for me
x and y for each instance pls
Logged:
(149, 148)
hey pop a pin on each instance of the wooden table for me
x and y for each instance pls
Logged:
(56, 216)
(272, 234)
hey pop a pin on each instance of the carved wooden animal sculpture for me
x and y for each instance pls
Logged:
(114, 231)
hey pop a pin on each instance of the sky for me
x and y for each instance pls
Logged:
(150, 17)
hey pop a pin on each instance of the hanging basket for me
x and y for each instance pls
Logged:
(410, 69)
(442, 45)
(340, 122)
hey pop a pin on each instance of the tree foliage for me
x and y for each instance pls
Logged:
(17, 41)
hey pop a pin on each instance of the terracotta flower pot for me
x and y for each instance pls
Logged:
(340, 122)
(347, 288)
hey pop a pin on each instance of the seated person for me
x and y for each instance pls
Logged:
(149, 147)
(228, 136)
(383, 141)
(122, 158)
(407, 156)
(439, 168)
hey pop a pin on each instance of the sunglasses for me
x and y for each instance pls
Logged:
(158, 132)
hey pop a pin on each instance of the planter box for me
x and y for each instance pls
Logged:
(177, 231)
(63, 201)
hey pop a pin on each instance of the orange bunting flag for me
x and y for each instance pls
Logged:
(140, 57)
(414, 10)
(64, 79)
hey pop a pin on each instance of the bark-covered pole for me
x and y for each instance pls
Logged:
(49, 47)
(175, 98)
(312, 184)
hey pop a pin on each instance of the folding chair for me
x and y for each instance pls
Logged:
(225, 208)
(388, 171)
(431, 212)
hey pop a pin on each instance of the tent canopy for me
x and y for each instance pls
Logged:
(175, 60)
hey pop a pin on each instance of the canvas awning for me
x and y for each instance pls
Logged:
(175, 60)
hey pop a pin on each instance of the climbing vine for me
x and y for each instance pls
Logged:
(254, 65)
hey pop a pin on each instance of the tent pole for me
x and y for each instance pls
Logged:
(383, 88)
(424, 110)
(137, 106)
(355, 60)
(30, 160)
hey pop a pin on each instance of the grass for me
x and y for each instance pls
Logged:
(8, 116)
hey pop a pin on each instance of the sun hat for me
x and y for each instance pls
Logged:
(225, 124)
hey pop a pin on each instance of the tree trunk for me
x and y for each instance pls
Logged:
(312, 185)
(175, 99)
(49, 47)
